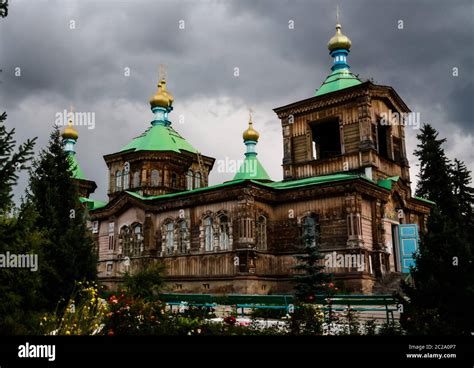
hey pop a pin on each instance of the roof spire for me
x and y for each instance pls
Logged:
(341, 77)
(69, 134)
(250, 134)
(339, 40)
(161, 102)
(251, 168)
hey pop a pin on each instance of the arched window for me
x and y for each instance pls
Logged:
(262, 233)
(182, 236)
(136, 179)
(197, 180)
(189, 180)
(208, 234)
(125, 240)
(126, 180)
(118, 181)
(310, 231)
(224, 238)
(174, 180)
(137, 244)
(155, 178)
(169, 238)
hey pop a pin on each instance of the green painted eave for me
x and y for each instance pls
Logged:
(387, 183)
(159, 138)
(251, 169)
(337, 80)
(186, 192)
(425, 200)
(281, 185)
(312, 181)
(92, 204)
(76, 170)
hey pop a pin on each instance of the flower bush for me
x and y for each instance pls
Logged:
(83, 315)
(128, 313)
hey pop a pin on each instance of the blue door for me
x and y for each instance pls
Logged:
(408, 241)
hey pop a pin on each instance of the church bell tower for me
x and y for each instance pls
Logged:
(346, 127)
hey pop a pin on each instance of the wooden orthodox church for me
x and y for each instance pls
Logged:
(345, 179)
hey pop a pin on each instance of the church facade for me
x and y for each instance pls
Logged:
(346, 184)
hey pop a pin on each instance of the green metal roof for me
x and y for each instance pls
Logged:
(274, 185)
(387, 183)
(337, 80)
(251, 169)
(186, 192)
(92, 204)
(280, 185)
(313, 180)
(76, 170)
(159, 138)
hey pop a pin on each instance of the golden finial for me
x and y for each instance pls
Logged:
(162, 97)
(250, 134)
(339, 40)
(69, 132)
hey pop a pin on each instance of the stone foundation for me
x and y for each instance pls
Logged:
(250, 284)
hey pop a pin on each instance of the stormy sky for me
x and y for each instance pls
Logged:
(55, 54)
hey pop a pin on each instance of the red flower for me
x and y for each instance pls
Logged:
(110, 333)
(311, 297)
(331, 285)
(231, 320)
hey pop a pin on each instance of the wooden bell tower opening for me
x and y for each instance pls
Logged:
(343, 132)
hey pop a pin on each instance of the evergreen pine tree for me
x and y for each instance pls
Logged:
(3, 8)
(441, 297)
(464, 193)
(19, 299)
(434, 182)
(309, 281)
(69, 254)
(11, 163)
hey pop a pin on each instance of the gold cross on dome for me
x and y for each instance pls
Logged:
(250, 114)
(71, 111)
(162, 72)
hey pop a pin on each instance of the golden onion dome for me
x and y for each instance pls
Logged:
(339, 40)
(162, 98)
(250, 134)
(69, 132)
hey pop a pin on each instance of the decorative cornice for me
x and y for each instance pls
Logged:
(367, 90)
(180, 157)
(257, 191)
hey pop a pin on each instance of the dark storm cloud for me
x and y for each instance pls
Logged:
(85, 66)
